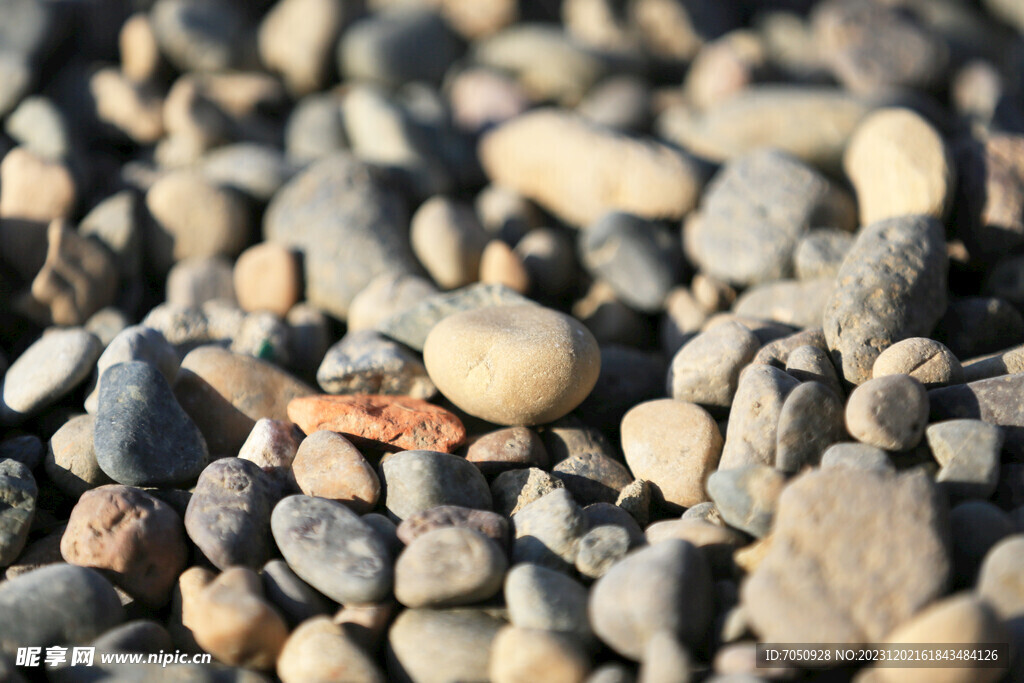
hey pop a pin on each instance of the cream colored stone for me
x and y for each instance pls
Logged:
(33, 188)
(318, 651)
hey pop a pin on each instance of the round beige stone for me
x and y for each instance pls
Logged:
(267, 278)
(513, 365)
(448, 240)
(898, 165)
(523, 655)
(318, 651)
(499, 264)
(926, 360)
(675, 446)
(890, 412)
(447, 567)
(327, 465)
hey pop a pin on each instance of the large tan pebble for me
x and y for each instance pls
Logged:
(318, 651)
(297, 39)
(898, 165)
(233, 622)
(267, 277)
(327, 465)
(581, 172)
(675, 446)
(523, 655)
(513, 365)
(926, 360)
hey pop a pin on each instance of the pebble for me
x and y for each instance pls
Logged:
(507, 449)
(308, 337)
(747, 496)
(19, 497)
(896, 523)
(490, 524)
(327, 465)
(500, 265)
(549, 258)
(263, 335)
(665, 660)
(419, 480)
(810, 421)
(71, 458)
(315, 128)
(348, 227)
(820, 253)
(899, 166)
(776, 351)
(133, 537)
(225, 393)
(297, 39)
(752, 434)
(267, 277)
(926, 360)
(999, 580)
(447, 567)
(987, 399)
(857, 456)
(518, 655)
(547, 531)
(194, 281)
(799, 303)
(26, 449)
(439, 646)
(674, 446)
(592, 477)
(856, 40)
(706, 369)
(448, 240)
(411, 325)
(398, 47)
(638, 595)
(56, 605)
(234, 622)
(513, 490)
(600, 548)
(636, 500)
(318, 650)
(584, 167)
(332, 550)
(813, 364)
(718, 542)
(969, 452)
(181, 229)
(47, 370)
(975, 527)
(547, 600)
(889, 412)
(639, 258)
(618, 102)
(478, 360)
(905, 257)
(135, 343)
(765, 201)
(366, 362)
(272, 445)
(960, 618)
(367, 624)
(142, 436)
(228, 517)
(35, 188)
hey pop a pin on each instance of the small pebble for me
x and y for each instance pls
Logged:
(889, 412)
(272, 445)
(592, 477)
(19, 496)
(752, 434)
(319, 648)
(969, 453)
(747, 496)
(71, 459)
(707, 368)
(449, 241)
(449, 566)
(327, 465)
(926, 360)
(365, 362)
(517, 654)
(813, 364)
(507, 449)
(600, 548)
(513, 490)
(415, 481)
(857, 456)
(499, 264)
(135, 343)
(490, 524)
(810, 421)
(548, 600)
(999, 579)
(547, 531)
(267, 277)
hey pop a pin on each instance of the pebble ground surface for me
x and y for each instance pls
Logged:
(524, 341)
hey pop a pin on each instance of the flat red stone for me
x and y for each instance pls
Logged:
(392, 422)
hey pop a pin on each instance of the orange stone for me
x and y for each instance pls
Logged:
(392, 422)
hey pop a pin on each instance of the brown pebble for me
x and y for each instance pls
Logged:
(327, 465)
(490, 524)
(507, 449)
(267, 278)
(499, 264)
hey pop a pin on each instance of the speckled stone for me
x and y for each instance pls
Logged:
(904, 257)
(810, 421)
(228, 517)
(18, 500)
(365, 362)
(447, 567)
(752, 434)
(513, 490)
(547, 531)
(889, 412)
(600, 548)
(415, 481)
(926, 360)
(513, 365)
(330, 548)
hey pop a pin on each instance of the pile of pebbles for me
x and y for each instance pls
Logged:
(485, 340)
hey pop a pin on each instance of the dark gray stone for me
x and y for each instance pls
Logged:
(810, 421)
(641, 595)
(228, 517)
(411, 327)
(18, 498)
(419, 480)
(332, 550)
(969, 452)
(295, 598)
(56, 605)
(136, 343)
(365, 362)
(515, 489)
(628, 376)
(640, 259)
(891, 286)
(547, 531)
(569, 436)
(26, 449)
(142, 437)
(753, 213)
(398, 47)
(995, 401)
(348, 226)
(747, 496)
